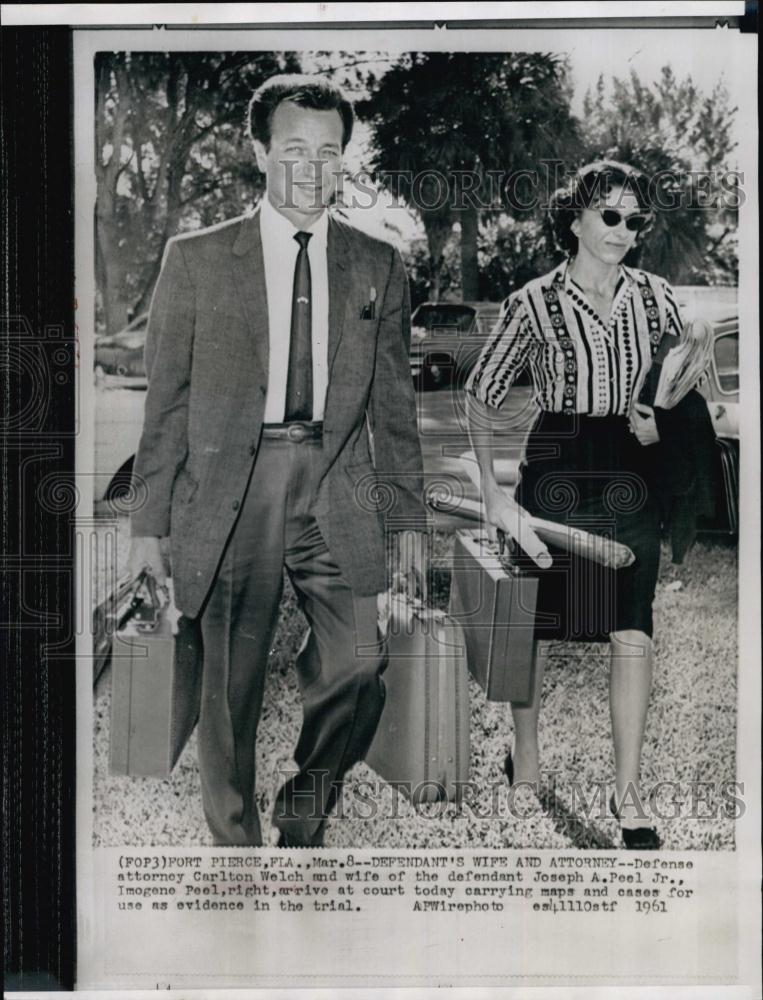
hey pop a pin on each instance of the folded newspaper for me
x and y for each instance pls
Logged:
(685, 364)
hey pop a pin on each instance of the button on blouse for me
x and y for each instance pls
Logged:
(579, 362)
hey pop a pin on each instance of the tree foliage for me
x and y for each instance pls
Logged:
(684, 139)
(449, 127)
(171, 154)
(511, 253)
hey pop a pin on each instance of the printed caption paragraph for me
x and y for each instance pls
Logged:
(301, 880)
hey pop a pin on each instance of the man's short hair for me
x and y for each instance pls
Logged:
(315, 92)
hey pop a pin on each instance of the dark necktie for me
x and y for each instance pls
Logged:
(299, 382)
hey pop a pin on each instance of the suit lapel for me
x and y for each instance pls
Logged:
(340, 285)
(249, 276)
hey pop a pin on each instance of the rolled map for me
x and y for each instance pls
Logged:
(601, 550)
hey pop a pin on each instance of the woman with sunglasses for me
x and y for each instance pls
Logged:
(588, 331)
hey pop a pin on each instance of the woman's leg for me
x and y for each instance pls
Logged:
(525, 716)
(630, 684)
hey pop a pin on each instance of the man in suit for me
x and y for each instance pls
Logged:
(280, 431)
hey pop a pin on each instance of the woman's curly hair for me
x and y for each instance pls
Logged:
(590, 183)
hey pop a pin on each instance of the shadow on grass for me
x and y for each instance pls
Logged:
(568, 824)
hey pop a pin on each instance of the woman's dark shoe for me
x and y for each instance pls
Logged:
(284, 840)
(508, 768)
(639, 838)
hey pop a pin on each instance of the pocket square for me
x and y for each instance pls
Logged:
(369, 310)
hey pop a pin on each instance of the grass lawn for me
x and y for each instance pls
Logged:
(691, 736)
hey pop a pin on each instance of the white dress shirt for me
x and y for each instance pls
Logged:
(279, 250)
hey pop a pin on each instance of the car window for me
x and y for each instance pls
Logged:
(444, 318)
(727, 361)
(487, 318)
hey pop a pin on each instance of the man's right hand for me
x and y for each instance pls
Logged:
(146, 553)
(505, 513)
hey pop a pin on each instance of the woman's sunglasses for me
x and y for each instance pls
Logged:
(633, 223)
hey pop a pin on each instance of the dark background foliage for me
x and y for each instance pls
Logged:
(451, 128)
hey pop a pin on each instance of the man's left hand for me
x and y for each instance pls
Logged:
(643, 424)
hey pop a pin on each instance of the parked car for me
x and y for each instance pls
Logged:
(721, 385)
(721, 391)
(119, 405)
(122, 353)
(447, 337)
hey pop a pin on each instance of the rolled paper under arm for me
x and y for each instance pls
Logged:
(599, 549)
(602, 550)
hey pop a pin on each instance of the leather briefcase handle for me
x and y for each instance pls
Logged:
(131, 588)
(406, 608)
(146, 605)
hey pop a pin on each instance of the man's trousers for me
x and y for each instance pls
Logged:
(338, 667)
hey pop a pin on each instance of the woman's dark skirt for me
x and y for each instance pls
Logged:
(592, 473)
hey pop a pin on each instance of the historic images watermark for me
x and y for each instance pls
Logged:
(589, 802)
(516, 191)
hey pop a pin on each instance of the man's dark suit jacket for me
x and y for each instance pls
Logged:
(207, 364)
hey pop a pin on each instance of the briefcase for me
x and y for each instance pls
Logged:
(155, 689)
(494, 603)
(422, 741)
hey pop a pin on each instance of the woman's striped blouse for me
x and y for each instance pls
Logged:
(579, 363)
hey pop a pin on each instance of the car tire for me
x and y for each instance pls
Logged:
(121, 482)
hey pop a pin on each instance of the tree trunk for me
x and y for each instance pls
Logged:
(110, 268)
(151, 273)
(435, 280)
(470, 274)
(438, 227)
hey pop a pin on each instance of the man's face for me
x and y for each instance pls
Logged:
(303, 162)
